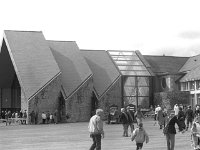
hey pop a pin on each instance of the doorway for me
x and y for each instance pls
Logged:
(61, 108)
(94, 104)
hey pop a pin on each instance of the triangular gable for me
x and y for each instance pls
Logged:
(73, 66)
(33, 61)
(104, 71)
(191, 75)
(191, 63)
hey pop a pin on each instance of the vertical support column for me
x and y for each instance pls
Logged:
(136, 86)
(122, 91)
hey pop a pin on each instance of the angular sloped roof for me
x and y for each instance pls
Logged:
(165, 64)
(192, 63)
(104, 71)
(129, 63)
(72, 64)
(191, 75)
(33, 61)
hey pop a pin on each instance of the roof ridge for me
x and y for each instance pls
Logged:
(91, 50)
(59, 41)
(22, 31)
(165, 56)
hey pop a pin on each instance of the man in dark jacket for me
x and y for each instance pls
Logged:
(170, 130)
(130, 118)
(124, 121)
(189, 117)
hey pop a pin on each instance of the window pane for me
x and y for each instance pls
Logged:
(198, 85)
(121, 53)
(143, 91)
(192, 85)
(143, 102)
(143, 81)
(131, 62)
(129, 100)
(136, 73)
(132, 68)
(129, 91)
(125, 57)
(129, 81)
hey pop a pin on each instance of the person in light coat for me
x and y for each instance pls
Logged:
(140, 136)
(96, 129)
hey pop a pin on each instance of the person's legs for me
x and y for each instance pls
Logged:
(93, 146)
(187, 123)
(190, 123)
(172, 139)
(168, 141)
(139, 146)
(98, 142)
(131, 126)
(194, 140)
(125, 128)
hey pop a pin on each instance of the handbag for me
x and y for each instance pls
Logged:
(165, 129)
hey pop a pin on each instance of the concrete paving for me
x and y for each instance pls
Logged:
(74, 136)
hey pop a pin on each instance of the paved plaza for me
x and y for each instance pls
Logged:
(74, 136)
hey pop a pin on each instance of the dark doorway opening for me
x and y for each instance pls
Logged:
(94, 103)
(61, 108)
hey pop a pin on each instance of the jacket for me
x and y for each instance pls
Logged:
(140, 135)
(95, 125)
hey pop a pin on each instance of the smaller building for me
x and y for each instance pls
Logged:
(190, 80)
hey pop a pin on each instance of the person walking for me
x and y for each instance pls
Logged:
(140, 136)
(44, 117)
(131, 119)
(24, 116)
(55, 116)
(125, 122)
(189, 117)
(156, 113)
(96, 129)
(48, 117)
(161, 118)
(170, 130)
(139, 115)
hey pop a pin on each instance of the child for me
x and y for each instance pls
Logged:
(140, 136)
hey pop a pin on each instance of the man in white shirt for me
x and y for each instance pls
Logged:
(176, 109)
(156, 113)
(96, 129)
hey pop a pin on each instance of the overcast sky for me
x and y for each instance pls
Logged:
(155, 27)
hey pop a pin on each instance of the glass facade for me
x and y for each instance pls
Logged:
(135, 78)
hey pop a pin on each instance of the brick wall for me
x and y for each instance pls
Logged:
(78, 106)
(113, 96)
(47, 99)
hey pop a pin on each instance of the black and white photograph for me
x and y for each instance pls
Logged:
(100, 75)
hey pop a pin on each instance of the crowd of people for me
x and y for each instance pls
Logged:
(186, 118)
(21, 117)
(9, 116)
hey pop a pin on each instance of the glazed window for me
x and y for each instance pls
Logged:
(163, 83)
(198, 84)
(184, 86)
(192, 85)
